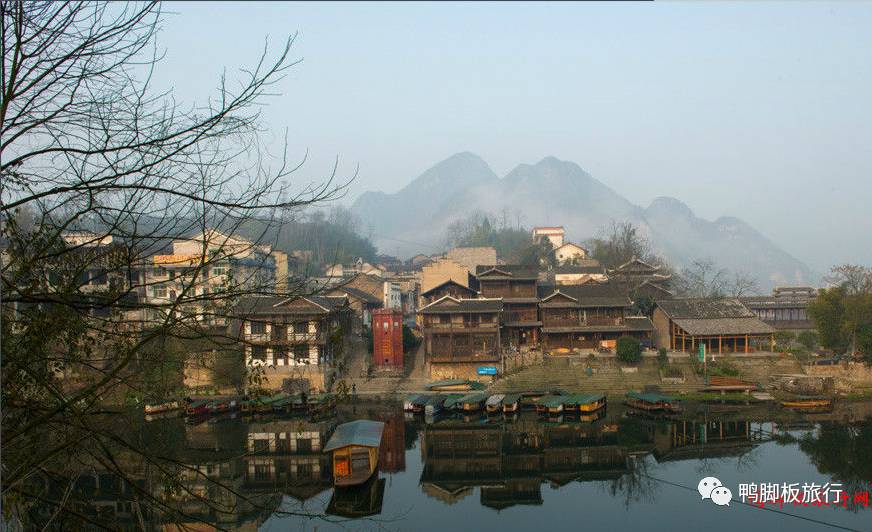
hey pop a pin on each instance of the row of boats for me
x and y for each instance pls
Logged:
(549, 403)
(282, 403)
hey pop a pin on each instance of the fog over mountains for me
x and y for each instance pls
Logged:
(555, 192)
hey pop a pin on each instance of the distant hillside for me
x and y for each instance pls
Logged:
(559, 192)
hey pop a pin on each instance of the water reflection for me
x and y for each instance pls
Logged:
(237, 473)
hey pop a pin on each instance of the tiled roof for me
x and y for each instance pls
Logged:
(280, 305)
(589, 295)
(723, 326)
(362, 433)
(507, 271)
(448, 304)
(446, 282)
(704, 308)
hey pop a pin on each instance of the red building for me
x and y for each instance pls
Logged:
(387, 338)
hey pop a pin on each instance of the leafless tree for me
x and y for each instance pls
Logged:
(89, 145)
(856, 279)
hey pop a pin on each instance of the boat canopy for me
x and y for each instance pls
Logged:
(495, 400)
(651, 397)
(363, 433)
(456, 382)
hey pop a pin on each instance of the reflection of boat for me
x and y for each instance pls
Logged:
(163, 407)
(358, 501)
(652, 402)
(355, 451)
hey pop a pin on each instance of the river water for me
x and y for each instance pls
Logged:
(620, 472)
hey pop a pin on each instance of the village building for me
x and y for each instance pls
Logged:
(516, 286)
(419, 261)
(387, 339)
(294, 340)
(569, 253)
(448, 288)
(786, 309)
(207, 263)
(643, 279)
(441, 270)
(584, 271)
(460, 335)
(722, 325)
(472, 257)
(554, 235)
(354, 268)
(588, 316)
(361, 303)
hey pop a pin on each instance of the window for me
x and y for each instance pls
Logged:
(258, 327)
(301, 327)
(159, 292)
(258, 352)
(301, 354)
(279, 333)
(218, 271)
(444, 318)
(280, 353)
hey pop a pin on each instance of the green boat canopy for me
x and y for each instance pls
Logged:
(476, 397)
(363, 432)
(456, 382)
(651, 397)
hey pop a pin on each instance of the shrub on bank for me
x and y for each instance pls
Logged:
(629, 350)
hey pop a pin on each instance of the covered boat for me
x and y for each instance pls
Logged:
(585, 403)
(197, 408)
(455, 385)
(433, 405)
(163, 407)
(355, 451)
(494, 403)
(511, 403)
(551, 404)
(473, 402)
(653, 402)
(809, 404)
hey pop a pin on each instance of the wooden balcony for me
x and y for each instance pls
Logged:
(561, 322)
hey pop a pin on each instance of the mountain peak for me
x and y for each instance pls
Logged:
(669, 206)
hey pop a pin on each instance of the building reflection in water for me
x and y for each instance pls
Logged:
(235, 475)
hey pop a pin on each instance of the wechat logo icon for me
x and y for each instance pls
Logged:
(712, 488)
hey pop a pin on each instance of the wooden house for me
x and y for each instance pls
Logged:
(786, 309)
(449, 287)
(355, 447)
(722, 325)
(460, 335)
(516, 286)
(585, 316)
(643, 279)
(295, 336)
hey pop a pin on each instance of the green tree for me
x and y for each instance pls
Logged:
(809, 339)
(783, 339)
(827, 311)
(629, 349)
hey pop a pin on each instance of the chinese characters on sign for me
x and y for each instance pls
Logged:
(796, 494)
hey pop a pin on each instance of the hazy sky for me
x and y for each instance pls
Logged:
(756, 110)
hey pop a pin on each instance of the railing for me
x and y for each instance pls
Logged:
(461, 326)
(465, 357)
(604, 321)
(520, 316)
(561, 322)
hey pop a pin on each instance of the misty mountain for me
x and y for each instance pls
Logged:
(555, 192)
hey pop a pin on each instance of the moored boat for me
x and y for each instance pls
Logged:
(585, 403)
(511, 403)
(434, 405)
(197, 408)
(494, 403)
(809, 404)
(163, 407)
(355, 448)
(219, 406)
(473, 402)
(415, 403)
(455, 385)
(652, 402)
